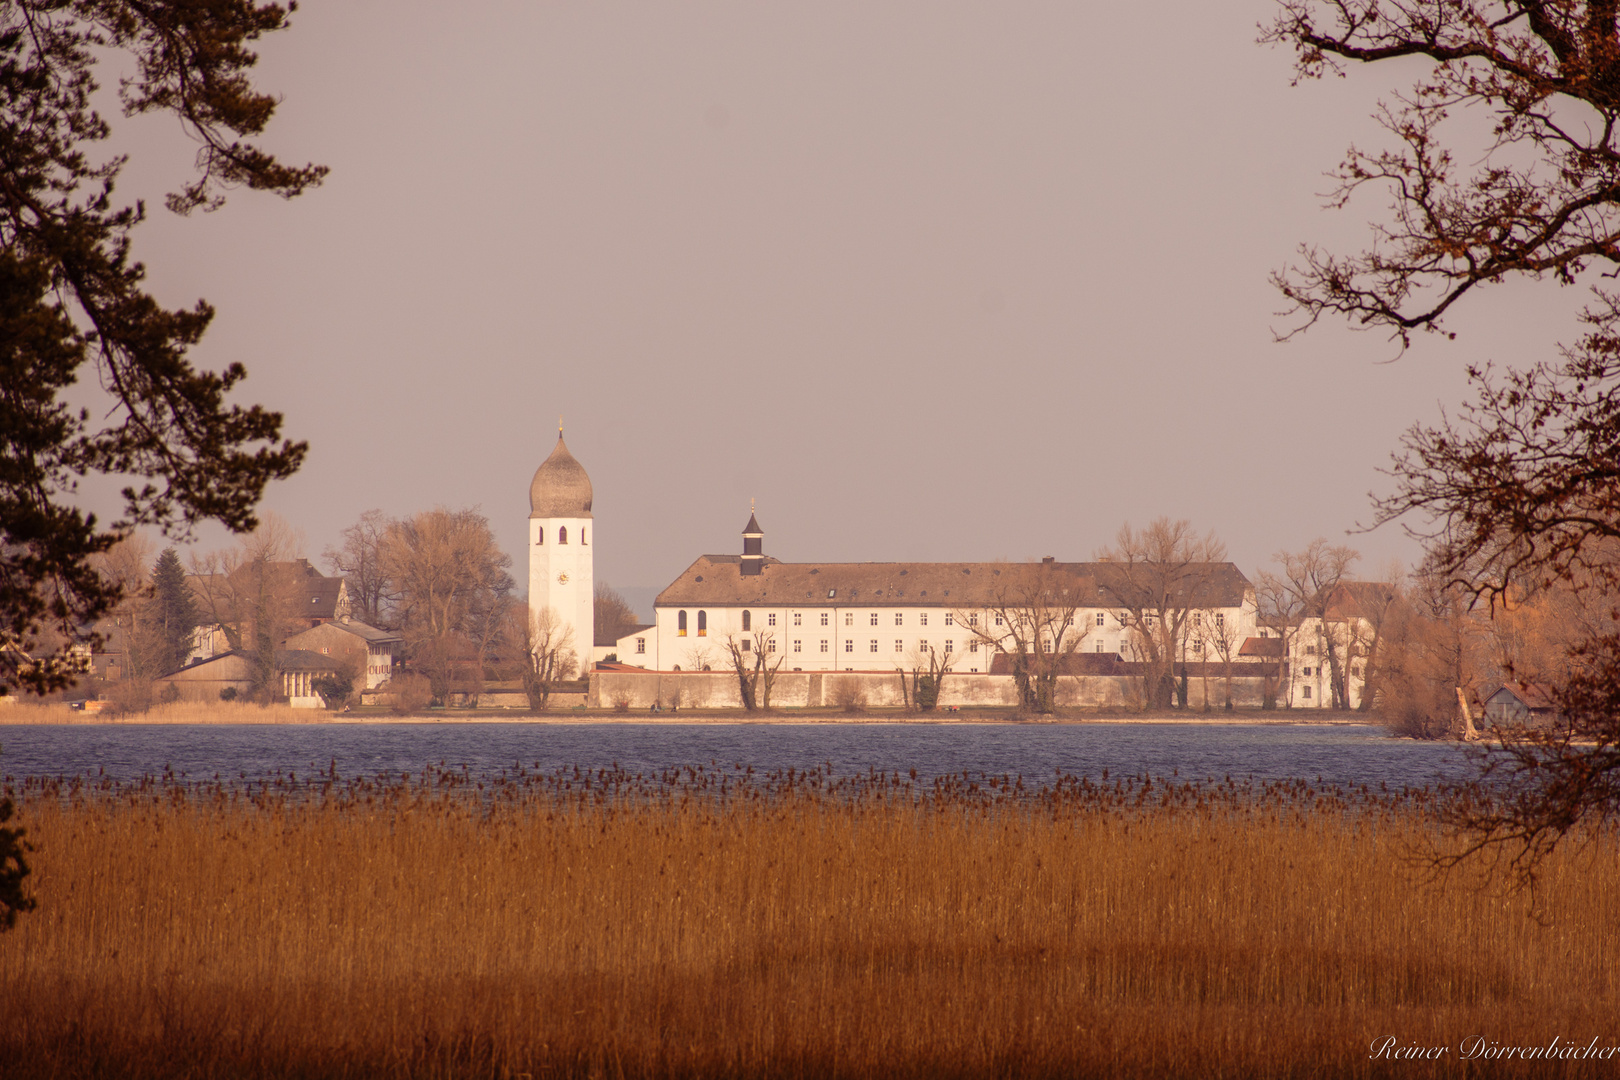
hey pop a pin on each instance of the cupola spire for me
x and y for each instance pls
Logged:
(753, 556)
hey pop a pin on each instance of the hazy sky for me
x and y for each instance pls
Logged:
(927, 280)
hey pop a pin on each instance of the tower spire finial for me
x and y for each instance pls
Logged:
(559, 427)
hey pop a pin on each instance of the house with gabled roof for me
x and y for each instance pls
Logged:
(363, 649)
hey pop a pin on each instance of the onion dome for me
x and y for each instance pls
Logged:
(560, 488)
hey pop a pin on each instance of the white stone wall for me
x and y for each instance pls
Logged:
(637, 691)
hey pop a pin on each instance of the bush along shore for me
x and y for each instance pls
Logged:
(721, 923)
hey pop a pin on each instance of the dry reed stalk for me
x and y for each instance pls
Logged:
(564, 928)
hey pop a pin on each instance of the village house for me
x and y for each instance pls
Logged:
(364, 650)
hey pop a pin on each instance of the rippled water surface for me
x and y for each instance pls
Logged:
(1338, 754)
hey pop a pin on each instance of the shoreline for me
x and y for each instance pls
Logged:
(27, 715)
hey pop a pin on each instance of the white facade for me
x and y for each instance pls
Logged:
(865, 637)
(560, 577)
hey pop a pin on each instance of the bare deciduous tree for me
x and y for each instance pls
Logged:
(452, 581)
(1033, 618)
(1154, 579)
(253, 593)
(546, 645)
(358, 559)
(755, 670)
(1523, 490)
(614, 617)
(139, 638)
(928, 668)
(1308, 579)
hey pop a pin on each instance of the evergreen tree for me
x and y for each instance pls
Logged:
(72, 296)
(173, 611)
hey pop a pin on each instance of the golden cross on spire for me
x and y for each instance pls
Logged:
(559, 427)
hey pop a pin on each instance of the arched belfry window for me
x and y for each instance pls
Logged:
(748, 621)
(703, 624)
(680, 625)
(540, 535)
(582, 539)
(562, 535)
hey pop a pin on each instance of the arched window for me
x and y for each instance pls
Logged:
(703, 624)
(540, 535)
(748, 621)
(582, 539)
(680, 625)
(562, 535)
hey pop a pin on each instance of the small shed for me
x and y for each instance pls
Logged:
(1521, 705)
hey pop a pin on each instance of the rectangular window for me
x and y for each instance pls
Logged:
(770, 620)
(770, 645)
(849, 618)
(899, 646)
(874, 618)
(874, 644)
(798, 645)
(1220, 620)
(823, 618)
(973, 618)
(849, 644)
(922, 619)
(949, 645)
(922, 647)
(999, 620)
(1306, 672)
(798, 618)
(899, 619)
(641, 644)
(1198, 646)
(950, 618)
(747, 646)
(1198, 620)
(823, 644)
(1305, 692)
(973, 646)
(1099, 646)
(1100, 617)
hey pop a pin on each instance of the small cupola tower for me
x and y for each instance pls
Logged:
(753, 556)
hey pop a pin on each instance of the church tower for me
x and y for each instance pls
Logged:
(560, 537)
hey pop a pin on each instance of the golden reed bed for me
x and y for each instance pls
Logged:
(721, 925)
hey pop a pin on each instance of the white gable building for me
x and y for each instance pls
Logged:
(880, 616)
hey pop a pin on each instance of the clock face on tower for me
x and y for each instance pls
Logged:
(562, 579)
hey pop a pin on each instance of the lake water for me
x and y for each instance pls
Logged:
(1343, 755)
